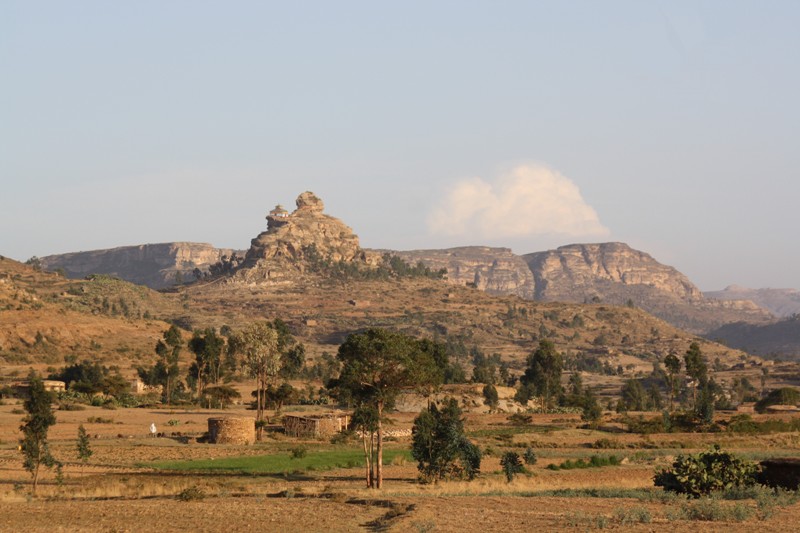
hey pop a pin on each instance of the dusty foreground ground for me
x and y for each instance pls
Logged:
(117, 489)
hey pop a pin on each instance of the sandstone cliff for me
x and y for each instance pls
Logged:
(494, 270)
(615, 273)
(153, 265)
(578, 271)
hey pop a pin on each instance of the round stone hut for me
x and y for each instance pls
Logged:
(232, 430)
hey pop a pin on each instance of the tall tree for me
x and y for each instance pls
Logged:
(207, 368)
(634, 396)
(258, 345)
(165, 371)
(673, 366)
(542, 376)
(376, 366)
(696, 369)
(35, 426)
(440, 445)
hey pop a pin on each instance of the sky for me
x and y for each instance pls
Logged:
(671, 126)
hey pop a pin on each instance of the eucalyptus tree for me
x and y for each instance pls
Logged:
(376, 366)
(257, 344)
(35, 426)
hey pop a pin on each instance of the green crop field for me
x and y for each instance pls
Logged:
(280, 462)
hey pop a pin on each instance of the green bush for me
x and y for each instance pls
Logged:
(706, 472)
(299, 452)
(594, 461)
(511, 465)
(529, 456)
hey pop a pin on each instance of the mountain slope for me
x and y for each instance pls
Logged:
(45, 318)
(780, 339)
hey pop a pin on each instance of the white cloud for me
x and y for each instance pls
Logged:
(530, 200)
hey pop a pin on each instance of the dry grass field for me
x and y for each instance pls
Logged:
(125, 485)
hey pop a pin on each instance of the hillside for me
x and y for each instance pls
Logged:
(781, 302)
(45, 318)
(780, 339)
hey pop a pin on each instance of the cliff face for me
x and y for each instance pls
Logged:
(153, 265)
(578, 271)
(494, 270)
(293, 239)
(617, 274)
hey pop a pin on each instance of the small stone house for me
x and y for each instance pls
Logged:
(314, 426)
(21, 388)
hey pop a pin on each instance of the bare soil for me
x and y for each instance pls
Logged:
(115, 490)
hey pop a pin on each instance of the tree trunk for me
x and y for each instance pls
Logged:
(379, 461)
(35, 477)
(259, 410)
(367, 458)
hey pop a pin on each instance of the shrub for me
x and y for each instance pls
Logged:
(594, 461)
(191, 494)
(298, 452)
(632, 515)
(529, 456)
(519, 419)
(84, 449)
(511, 465)
(703, 473)
(605, 444)
(99, 420)
(712, 510)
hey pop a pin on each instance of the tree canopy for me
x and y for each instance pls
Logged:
(377, 365)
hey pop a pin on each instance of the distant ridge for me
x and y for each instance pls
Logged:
(781, 302)
(153, 265)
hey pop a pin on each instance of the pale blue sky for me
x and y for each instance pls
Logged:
(672, 126)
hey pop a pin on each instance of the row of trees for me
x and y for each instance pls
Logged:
(265, 351)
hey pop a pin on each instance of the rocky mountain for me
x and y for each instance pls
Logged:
(493, 270)
(294, 240)
(781, 302)
(307, 238)
(153, 265)
(616, 273)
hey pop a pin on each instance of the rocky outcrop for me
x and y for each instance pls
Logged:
(494, 270)
(294, 240)
(583, 271)
(153, 265)
(617, 274)
(781, 302)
